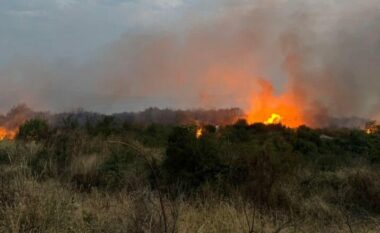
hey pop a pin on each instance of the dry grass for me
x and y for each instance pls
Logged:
(28, 205)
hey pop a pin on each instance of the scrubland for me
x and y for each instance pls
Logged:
(105, 177)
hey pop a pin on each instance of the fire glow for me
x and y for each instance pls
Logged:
(270, 109)
(273, 119)
(6, 134)
(199, 133)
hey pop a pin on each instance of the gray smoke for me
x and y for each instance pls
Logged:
(324, 52)
(17, 116)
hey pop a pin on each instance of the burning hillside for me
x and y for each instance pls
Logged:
(266, 108)
(10, 122)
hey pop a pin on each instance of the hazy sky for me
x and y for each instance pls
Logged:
(74, 29)
(54, 36)
(117, 55)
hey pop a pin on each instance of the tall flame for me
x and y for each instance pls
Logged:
(270, 109)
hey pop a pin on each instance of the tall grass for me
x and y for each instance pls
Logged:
(75, 182)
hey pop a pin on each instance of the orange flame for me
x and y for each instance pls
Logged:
(371, 128)
(6, 134)
(271, 109)
(199, 132)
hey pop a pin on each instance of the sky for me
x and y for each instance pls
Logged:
(51, 34)
(74, 29)
(127, 55)
(44, 43)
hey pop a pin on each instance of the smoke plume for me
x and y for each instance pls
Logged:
(320, 56)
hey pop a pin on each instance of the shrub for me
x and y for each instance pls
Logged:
(43, 165)
(154, 135)
(106, 127)
(122, 170)
(34, 130)
(191, 161)
(363, 191)
(239, 132)
(307, 141)
(4, 157)
(256, 169)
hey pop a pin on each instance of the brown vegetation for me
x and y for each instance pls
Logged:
(74, 180)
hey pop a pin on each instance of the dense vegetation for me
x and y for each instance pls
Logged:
(111, 177)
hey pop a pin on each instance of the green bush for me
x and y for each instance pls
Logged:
(106, 127)
(4, 157)
(154, 135)
(255, 171)
(43, 165)
(123, 170)
(34, 130)
(189, 161)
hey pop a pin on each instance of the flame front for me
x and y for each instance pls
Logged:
(7, 134)
(271, 109)
(273, 119)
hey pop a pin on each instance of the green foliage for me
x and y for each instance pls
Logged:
(308, 141)
(154, 135)
(121, 170)
(4, 158)
(239, 132)
(62, 147)
(105, 127)
(374, 147)
(189, 161)
(256, 169)
(264, 164)
(43, 165)
(34, 130)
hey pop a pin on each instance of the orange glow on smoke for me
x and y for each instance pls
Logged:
(267, 108)
(7, 134)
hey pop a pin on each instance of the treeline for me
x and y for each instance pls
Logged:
(20, 113)
(152, 116)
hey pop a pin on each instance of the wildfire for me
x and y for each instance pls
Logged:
(273, 119)
(199, 132)
(371, 127)
(283, 109)
(7, 134)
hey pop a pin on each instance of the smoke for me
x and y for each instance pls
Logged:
(322, 55)
(16, 116)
